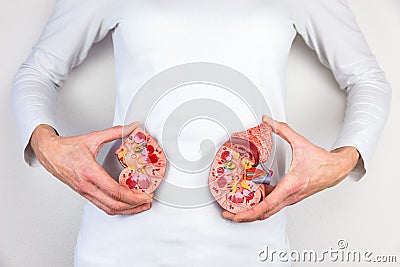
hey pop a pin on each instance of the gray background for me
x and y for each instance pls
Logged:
(40, 216)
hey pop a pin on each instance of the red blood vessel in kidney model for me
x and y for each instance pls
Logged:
(234, 167)
(143, 160)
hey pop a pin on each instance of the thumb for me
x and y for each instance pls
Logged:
(283, 130)
(114, 133)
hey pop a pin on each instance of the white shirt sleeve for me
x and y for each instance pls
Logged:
(329, 28)
(64, 43)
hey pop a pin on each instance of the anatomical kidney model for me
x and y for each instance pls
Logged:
(235, 166)
(143, 160)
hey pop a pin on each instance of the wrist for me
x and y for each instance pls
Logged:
(42, 134)
(348, 157)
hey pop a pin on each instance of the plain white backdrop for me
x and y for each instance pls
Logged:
(40, 216)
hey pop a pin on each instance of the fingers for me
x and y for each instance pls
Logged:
(272, 212)
(283, 130)
(72, 161)
(113, 211)
(252, 214)
(294, 198)
(227, 215)
(108, 195)
(108, 204)
(114, 133)
(135, 210)
(104, 191)
(272, 203)
(96, 183)
(116, 191)
(269, 120)
(236, 217)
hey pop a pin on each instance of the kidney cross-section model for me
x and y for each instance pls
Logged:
(143, 160)
(237, 164)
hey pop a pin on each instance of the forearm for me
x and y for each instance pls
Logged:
(34, 101)
(368, 104)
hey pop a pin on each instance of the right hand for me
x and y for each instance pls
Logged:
(73, 161)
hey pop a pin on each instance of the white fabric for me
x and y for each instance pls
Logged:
(252, 37)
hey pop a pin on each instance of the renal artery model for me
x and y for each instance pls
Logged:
(235, 166)
(143, 160)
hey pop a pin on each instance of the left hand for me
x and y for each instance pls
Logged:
(312, 169)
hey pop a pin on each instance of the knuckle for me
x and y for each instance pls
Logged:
(84, 171)
(117, 195)
(117, 128)
(82, 187)
(295, 188)
(302, 185)
(116, 208)
(283, 124)
(272, 204)
(292, 191)
(296, 199)
(255, 213)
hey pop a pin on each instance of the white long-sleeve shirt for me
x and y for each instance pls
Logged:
(249, 39)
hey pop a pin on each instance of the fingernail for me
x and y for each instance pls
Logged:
(130, 124)
(133, 124)
(268, 119)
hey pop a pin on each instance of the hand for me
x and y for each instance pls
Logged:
(312, 169)
(73, 161)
